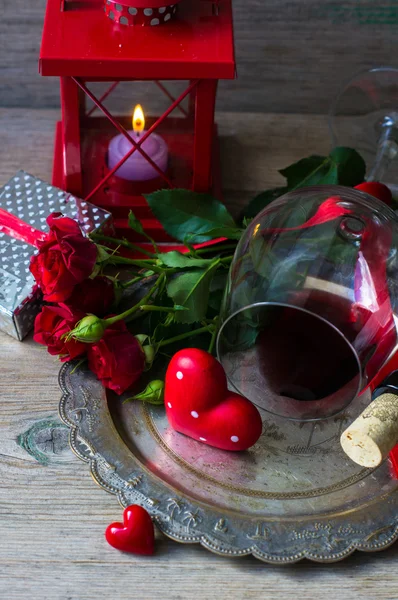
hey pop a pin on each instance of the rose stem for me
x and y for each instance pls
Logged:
(144, 264)
(124, 243)
(127, 284)
(154, 308)
(183, 336)
(213, 337)
(134, 308)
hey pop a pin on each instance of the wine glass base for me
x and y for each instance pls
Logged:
(364, 116)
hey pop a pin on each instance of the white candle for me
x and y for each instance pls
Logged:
(136, 167)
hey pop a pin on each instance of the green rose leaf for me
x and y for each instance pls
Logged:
(231, 233)
(262, 200)
(263, 260)
(102, 254)
(134, 223)
(343, 166)
(191, 290)
(351, 166)
(188, 214)
(217, 289)
(315, 170)
(177, 260)
(246, 221)
(313, 167)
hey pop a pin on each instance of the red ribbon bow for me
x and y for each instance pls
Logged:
(18, 229)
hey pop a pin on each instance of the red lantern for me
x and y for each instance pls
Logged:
(82, 43)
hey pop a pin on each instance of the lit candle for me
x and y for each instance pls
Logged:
(136, 167)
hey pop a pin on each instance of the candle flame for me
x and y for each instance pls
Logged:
(138, 119)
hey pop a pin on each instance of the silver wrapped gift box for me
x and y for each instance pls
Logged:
(32, 200)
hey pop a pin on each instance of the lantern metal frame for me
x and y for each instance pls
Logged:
(81, 45)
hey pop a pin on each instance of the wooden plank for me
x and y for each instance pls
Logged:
(53, 517)
(292, 55)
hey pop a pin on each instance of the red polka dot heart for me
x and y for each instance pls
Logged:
(199, 404)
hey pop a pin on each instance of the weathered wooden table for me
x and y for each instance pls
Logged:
(53, 516)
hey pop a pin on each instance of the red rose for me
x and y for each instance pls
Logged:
(93, 296)
(117, 359)
(52, 324)
(65, 258)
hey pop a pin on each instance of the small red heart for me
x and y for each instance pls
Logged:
(199, 404)
(135, 534)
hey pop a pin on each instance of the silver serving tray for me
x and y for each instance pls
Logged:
(294, 495)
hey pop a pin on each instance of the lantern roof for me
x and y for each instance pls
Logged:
(80, 40)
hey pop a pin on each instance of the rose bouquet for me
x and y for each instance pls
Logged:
(124, 308)
(84, 312)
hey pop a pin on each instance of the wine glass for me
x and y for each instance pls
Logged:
(307, 320)
(364, 116)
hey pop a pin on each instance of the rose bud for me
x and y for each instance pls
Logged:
(148, 350)
(52, 327)
(89, 330)
(153, 393)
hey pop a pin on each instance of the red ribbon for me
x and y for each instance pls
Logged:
(328, 211)
(18, 229)
(372, 295)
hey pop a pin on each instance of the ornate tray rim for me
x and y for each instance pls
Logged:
(375, 541)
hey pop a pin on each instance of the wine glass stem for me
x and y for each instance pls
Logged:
(387, 151)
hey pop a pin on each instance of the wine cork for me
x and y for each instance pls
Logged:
(371, 437)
